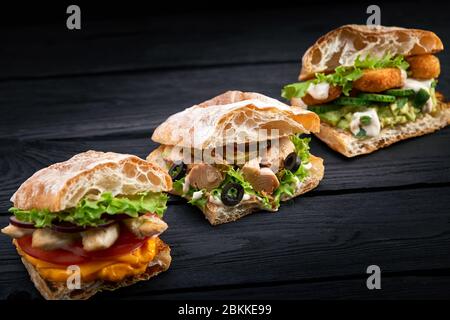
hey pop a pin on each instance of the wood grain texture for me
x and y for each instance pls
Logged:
(127, 103)
(173, 40)
(422, 161)
(392, 287)
(108, 86)
(313, 238)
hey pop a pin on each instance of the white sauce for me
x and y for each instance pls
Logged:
(197, 195)
(416, 85)
(404, 76)
(372, 130)
(428, 106)
(246, 197)
(319, 91)
(186, 185)
(308, 166)
(219, 202)
(215, 200)
(298, 102)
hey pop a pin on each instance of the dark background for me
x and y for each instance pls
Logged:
(108, 85)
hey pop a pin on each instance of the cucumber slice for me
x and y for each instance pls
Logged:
(400, 92)
(350, 101)
(376, 97)
(401, 102)
(421, 98)
(331, 117)
(322, 108)
(343, 124)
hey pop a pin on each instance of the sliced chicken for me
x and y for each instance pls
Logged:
(47, 239)
(16, 232)
(146, 226)
(261, 179)
(275, 155)
(100, 238)
(204, 176)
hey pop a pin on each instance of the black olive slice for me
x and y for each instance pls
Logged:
(178, 170)
(232, 194)
(292, 162)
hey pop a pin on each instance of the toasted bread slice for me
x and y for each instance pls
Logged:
(51, 290)
(62, 185)
(344, 44)
(346, 143)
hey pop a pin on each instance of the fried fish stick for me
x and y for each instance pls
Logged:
(425, 66)
(378, 80)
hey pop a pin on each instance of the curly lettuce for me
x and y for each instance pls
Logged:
(91, 212)
(344, 76)
(288, 179)
(386, 61)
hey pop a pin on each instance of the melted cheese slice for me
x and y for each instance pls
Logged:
(116, 269)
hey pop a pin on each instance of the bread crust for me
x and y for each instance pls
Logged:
(342, 45)
(347, 144)
(51, 290)
(62, 185)
(236, 115)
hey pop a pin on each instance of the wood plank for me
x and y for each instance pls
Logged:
(421, 161)
(398, 287)
(127, 103)
(165, 39)
(313, 238)
(87, 106)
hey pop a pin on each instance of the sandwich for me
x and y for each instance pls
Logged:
(238, 153)
(371, 87)
(91, 223)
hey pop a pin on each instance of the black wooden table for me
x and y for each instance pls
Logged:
(107, 86)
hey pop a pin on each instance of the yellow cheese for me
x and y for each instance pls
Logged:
(116, 269)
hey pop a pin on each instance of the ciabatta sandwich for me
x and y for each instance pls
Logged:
(238, 153)
(91, 223)
(371, 86)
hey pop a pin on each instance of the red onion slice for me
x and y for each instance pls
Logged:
(21, 224)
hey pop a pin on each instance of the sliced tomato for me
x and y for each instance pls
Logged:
(59, 256)
(75, 254)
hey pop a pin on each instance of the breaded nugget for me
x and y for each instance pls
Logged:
(333, 94)
(425, 66)
(378, 80)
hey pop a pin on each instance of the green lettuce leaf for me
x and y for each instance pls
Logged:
(387, 61)
(90, 212)
(200, 202)
(288, 179)
(297, 90)
(178, 185)
(344, 76)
